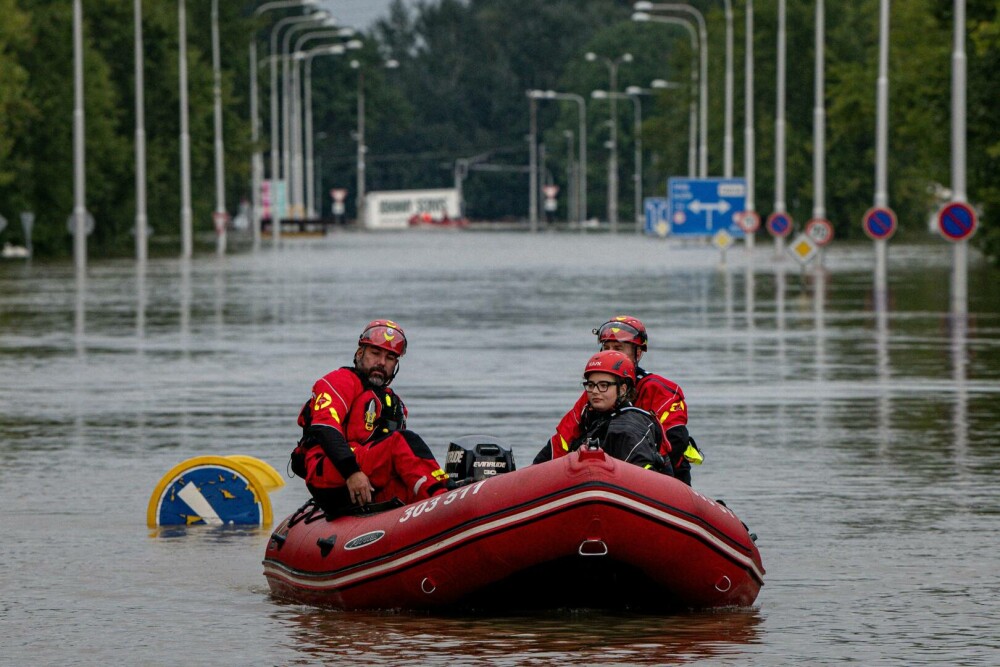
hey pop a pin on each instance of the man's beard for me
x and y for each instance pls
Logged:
(377, 377)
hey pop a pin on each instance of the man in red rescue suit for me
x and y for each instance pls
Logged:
(654, 393)
(357, 448)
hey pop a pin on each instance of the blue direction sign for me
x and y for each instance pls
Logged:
(657, 216)
(704, 206)
(957, 221)
(879, 223)
(779, 224)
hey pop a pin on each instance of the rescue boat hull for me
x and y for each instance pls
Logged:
(584, 530)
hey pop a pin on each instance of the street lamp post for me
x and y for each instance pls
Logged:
(571, 184)
(612, 65)
(641, 15)
(749, 137)
(882, 150)
(141, 241)
(779, 130)
(257, 162)
(362, 148)
(329, 50)
(79, 173)
(819, 121)
(301, 158)
(632, 93)
(290, 111)
(727, 168)
(187, 241)
(220, 177)
(960, 259)
(696, 56)
(581, 103)
(277, 211)
(532, 162)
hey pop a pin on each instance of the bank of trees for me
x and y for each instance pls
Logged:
(459, 93)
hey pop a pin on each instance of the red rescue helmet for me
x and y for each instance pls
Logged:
(612, 362)
(623, 329)
(384, 334)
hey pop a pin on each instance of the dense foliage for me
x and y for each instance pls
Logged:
(459, 93)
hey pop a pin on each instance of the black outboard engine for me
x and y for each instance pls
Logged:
(472, 458)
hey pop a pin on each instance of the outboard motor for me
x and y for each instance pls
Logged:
(472, 458)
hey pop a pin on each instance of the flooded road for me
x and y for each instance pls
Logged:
(860, 444)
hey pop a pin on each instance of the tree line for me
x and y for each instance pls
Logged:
(459, 93)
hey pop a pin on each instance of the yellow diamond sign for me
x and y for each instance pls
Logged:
(723, 239)
(803, 249)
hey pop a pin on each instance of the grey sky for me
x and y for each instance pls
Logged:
(358, 14)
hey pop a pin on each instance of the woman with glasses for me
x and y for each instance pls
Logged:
(654, 393)
(609, 420)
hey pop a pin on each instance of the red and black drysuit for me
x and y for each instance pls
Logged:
(655, 394)
(347, 426)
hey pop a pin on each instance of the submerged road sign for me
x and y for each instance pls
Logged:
(703, 206)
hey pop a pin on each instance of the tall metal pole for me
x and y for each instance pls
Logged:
(307, 83)
(79, 167)
(141, 220)
(332, 50)
(187, 241)
(695, 58)
(959, 279)
(362, 148)
(613, 126)
(779, 129)
(572, 197)
(638, 164)
(220, 176)
(613, 160)
(275, 138)
(819, 120)
(532, 163)
(882, 147)
(301, 154)
(727, 144)
(749, 136)
(703, 78)
(257, 160)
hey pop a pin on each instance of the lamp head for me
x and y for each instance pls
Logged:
(599, 94)
(640, 17)
(642, 6)
(590, 56)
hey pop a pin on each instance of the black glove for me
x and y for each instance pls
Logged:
(393, 416)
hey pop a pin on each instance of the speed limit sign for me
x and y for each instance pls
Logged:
(820, 231)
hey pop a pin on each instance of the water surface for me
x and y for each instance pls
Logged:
(858, 443)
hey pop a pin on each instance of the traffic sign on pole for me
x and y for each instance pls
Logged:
(779, 224)
(657, 215)
(803, 248)
(703, 206)
(820, 231)
(957, 221)
(879, 223)
(749, 221)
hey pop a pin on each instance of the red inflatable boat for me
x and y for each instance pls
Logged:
(582, 531)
